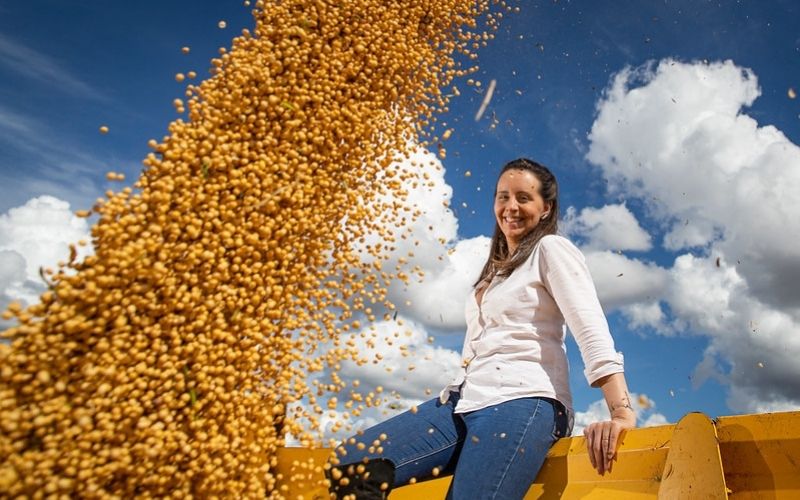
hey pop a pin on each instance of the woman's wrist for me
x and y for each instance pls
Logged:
(623, 403)
(621, 406)
(624, 413)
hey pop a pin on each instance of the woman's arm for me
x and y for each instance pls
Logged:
(602, 438)
(566, 276)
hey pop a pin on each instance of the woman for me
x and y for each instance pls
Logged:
(493, 425)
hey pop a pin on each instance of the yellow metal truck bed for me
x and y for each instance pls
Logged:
(741, 457)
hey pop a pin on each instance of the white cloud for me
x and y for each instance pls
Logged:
(409, 364)
(622, 281)
(752, 347)
(631, 285)
(441, 268)
(12, 267)
(402, 361)
(654, 420)
(675, 136)
(680, 142)
(646, 315)
(438, 300)
(12, 281)
(611, 227)
(33, 236)
(705, 294)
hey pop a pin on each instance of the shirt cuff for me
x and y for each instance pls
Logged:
(604, 368)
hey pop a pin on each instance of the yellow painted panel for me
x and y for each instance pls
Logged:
(568, 473)
(761, 455)
(427, 490)
(694, 467)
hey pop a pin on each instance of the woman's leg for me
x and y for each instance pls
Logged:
(504, 449)
(413, 443)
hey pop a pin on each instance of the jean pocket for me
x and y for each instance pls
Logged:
(560, 421)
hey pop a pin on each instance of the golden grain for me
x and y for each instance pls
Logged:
(172, 361)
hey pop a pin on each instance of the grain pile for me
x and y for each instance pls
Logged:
(163, 365)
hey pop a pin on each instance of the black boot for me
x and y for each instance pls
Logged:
(367, 481)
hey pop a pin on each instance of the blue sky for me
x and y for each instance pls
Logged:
(562, 97)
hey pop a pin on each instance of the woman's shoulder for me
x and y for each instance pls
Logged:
(555, 245)
(556, 241)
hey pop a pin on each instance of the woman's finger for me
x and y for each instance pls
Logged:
(597, 448)
(614, 438)
(594, 445)
(604, 446)
(589, 435)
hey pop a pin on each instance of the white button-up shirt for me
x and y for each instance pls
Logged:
(514, 346)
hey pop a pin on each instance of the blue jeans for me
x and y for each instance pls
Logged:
(492, 453)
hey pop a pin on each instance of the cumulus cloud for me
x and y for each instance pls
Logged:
(643, 315)
(13, 282)
(409, 365)
(438, 299)
(611, 227)
(676, 136)
(403, 361)
(33, 236)
(621, 280)
(402, 357)
(441, 267)
(752, 347)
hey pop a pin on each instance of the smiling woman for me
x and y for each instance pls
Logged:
(493, 425)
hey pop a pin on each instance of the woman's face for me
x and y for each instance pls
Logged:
(518, 205)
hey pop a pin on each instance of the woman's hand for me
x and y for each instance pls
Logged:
(603, 438)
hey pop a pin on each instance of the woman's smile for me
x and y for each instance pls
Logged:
(518, 205)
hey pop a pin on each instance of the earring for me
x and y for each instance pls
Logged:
(544, 216)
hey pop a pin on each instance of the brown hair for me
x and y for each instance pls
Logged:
(500, 262)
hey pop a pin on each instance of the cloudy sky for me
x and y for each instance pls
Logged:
(673, 127)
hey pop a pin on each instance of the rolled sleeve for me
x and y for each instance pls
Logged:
(567, 278)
